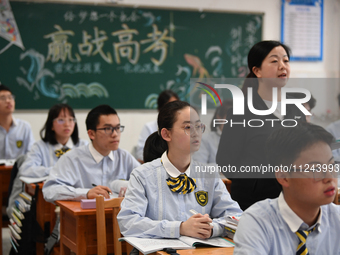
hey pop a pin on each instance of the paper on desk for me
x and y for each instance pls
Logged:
(7, 162)
(91, 203)
(117, 185)
(29, 180)
(215, 242)
(150, 245)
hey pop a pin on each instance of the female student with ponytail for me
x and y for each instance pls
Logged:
(242, 145)
(162, 192)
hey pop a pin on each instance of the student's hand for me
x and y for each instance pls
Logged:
(99, 190)
(197, 226)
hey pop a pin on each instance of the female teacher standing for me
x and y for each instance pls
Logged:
(242, 145)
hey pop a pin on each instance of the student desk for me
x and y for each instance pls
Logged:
(5, 176)
(78, 229)
(45, 213)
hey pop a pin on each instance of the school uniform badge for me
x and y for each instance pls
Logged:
(201, 197)
(19, 144)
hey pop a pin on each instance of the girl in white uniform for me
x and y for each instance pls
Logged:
(58, 135)
(162, 192)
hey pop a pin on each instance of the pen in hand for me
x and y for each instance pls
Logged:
(94, 185)
(193, 212)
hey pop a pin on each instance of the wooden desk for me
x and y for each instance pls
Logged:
(45, 213)
(5, 176)
(78, 229)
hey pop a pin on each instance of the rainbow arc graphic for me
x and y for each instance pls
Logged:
(209, 93)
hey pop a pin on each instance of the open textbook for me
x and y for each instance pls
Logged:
(149, 245)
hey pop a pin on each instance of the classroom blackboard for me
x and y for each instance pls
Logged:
(87, 55)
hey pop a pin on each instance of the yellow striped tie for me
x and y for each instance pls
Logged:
(181, 184)
(62, 151)
(302, 235)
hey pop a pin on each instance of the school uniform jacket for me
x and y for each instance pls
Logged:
(41, 159)
(38, 163)
(17, 141)
(151, 210)
(75, 172)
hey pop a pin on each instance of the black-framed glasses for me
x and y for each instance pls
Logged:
(321, 171)
(199, 128)
(9, 97)
(110, 130)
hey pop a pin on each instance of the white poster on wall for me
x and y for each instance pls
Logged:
(302, 28)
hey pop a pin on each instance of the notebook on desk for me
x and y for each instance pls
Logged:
(150, 245)
(91, 203)
(29, 180)
(7, 162)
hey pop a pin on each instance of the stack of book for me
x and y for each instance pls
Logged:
(230, 223)
(22, 205)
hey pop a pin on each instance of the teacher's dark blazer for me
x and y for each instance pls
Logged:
(245, 146)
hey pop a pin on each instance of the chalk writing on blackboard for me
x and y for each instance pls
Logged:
(37, 77)
(86, 55)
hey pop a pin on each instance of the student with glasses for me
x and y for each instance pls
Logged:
(89, 171)
(58, 135)
(162, 192)
(303, 219)
(16, 137)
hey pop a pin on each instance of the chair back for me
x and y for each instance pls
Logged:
(227, 183)
(101, 224)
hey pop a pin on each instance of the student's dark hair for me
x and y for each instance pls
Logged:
(284, 145)
(167, 116)
(5, 88)
(153, 148)
(47, 134)
(339, 100)
(221, 112)
(256, 56)
(92, 119)
(164, 97)
(311, 102)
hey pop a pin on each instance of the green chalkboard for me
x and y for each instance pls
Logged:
(86, 55)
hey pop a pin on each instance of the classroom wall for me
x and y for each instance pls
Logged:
(326, 109)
